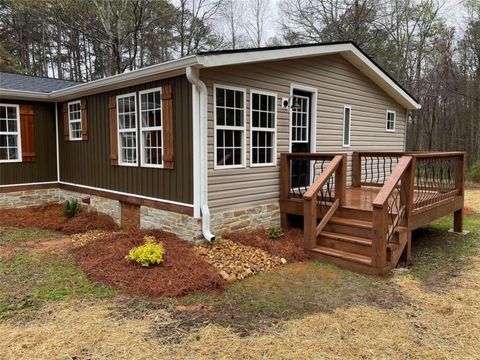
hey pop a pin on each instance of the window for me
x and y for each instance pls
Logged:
(75, 120)
(10, 133)
(347, 114)
(151, 140)
(390, 120)
(300, 119)
(263, 123)
(229, 117)
(127, 129)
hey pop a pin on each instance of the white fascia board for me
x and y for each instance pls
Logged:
(237, 58)
(119, 79)
(378, 76)
(23, 95)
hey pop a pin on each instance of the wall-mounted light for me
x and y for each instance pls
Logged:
(287, 103)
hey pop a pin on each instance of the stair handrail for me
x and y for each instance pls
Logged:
(310, 199)
(396, 194)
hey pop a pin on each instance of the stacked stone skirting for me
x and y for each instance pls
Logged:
(250, 219)
(184, 226)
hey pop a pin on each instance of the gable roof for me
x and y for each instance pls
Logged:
(32, 83)
(210, 59)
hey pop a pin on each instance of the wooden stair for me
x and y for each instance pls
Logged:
(346, 240)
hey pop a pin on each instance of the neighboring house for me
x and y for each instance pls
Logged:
(194, 142)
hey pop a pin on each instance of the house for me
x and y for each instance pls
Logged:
(193, 145)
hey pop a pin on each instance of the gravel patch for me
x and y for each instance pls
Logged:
(235, 261)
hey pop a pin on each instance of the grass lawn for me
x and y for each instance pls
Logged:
(49, 310)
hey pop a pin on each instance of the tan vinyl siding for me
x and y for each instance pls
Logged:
(338, 83)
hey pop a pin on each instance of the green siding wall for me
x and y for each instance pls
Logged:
(88, 162)
(45, 166)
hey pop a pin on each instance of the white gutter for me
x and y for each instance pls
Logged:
(201, 165)
(57, 143)
(24, 95)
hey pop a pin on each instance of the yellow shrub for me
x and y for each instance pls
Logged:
(148, 254)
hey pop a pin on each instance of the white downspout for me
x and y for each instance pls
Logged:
(57, 149)
(200, 116)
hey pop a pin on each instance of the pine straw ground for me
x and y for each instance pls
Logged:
(51, 217)
(302, 311)
(181, 272)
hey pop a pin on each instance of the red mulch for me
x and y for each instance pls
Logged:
(51, 217)
(289, 246)
(182, 271)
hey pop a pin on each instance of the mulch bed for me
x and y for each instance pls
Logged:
(289, 246)
(51, 217)
(182, 271)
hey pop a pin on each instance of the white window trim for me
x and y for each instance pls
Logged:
(70, 121)
(349, 126)
(19, 134)
(272, 130)
(224, 127)
(142, 157)
(119, 131)
(394, 120)
(313, 115)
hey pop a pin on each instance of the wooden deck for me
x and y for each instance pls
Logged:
(367, 227)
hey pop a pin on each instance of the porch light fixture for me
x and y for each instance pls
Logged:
(286, 103)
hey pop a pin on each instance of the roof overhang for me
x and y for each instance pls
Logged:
(209, 60)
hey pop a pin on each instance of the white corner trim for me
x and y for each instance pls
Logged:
(57, 142)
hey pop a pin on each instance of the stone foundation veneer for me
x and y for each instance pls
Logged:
(184, 226)
(98, 203)
(250, 219)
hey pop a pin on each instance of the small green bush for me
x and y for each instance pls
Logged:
(274, 233)
(71, 208)
(150, 253)
(474, 172)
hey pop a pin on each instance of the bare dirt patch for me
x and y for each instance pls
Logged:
(51, 217)
(472, 200)
(289, 246)
(181, 272)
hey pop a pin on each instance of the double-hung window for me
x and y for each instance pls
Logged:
(127, 129)
(10, 133)
(229, 118)
(75, 120)
(390, 126)
(263, 124)
(347, 116)
(151, 140)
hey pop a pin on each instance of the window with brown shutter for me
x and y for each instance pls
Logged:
(112, 109)
(83, 109)
(27, 133)
(167, 107)
(75, 122)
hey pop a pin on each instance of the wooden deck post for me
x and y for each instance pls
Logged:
(341, 181)
(460, 182)
(410, 188)
(284, 188)
(309, 223)
(356, 170)
(379, 243)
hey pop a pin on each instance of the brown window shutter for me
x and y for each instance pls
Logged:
(27, 133)
(112, 109)
(66, 126)
(168, 131)
(83, 109)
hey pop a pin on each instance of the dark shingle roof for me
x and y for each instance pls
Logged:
(22, 82)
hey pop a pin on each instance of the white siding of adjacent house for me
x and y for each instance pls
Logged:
(338, 83)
